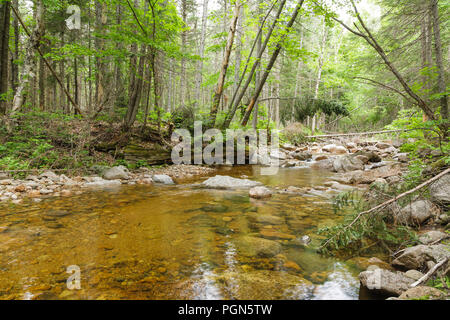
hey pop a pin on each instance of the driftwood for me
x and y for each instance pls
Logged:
(384, 204)
(429, 273)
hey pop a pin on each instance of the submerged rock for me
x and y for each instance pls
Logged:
(226, 182)
(266, 284)
(257, 247)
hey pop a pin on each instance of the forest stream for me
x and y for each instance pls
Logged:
(175, 242)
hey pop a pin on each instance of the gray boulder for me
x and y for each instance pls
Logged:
(414, 274)
(421, 292)
(416, 257)
(385, 281)
(226, 182)
(417, 212)
(432, 236)
(347, 163)
(116, 173)
(162, 178)
(440, 190)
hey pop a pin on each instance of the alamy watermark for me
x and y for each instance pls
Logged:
(74, 280)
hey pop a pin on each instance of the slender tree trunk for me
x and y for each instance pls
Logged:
(29, 68)
(15, 57)
(201, 53)
(183, 59)
(258, 70)
(272, 60)
(5, 14)
(220, 85)
(101, 21)
(319, 73)
(440, 65)
(254, 67)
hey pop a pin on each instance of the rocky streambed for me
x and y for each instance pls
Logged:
(203, 232)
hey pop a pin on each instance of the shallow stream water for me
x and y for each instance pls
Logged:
(173, 242)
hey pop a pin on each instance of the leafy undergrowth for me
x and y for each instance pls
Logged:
(42, 140)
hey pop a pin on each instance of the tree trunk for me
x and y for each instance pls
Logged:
(101, 20)
(5, 14)
(258, 70)
(29, 68)
(136, 91)
(15, 57)
(255, 66)
(272, 60)
(319, 73)
(201, 53)
(220, 85)
(440, 66)
(183, 59)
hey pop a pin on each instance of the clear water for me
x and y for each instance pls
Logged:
(172, 242)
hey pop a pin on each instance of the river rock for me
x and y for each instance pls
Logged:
(260, 193)
(226, 182)
(422, 292)
(278, 154)
(49, 175)
(383, 145)
(257, 247)
(116, 173)
(417, 212)
(302, 155)
(332, 148)
(162, 178)
(414, 274)
(371, 155)
(416, 257)
(347, 163)
(103, 184)
(326, 164)
(265, 219)
(4, 175)
(440, 190)
(432, 236)
(385, 281)
(402, 157)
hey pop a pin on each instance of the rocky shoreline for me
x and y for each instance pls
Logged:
(50, 184)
